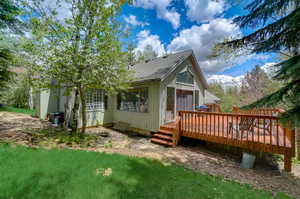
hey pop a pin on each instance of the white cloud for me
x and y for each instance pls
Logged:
(62, 8)
(229, 81)
(162, 10)
(144, 38)
(132, 20)
(204, 10)
(226, 80)
(269, 68)
(202, 38)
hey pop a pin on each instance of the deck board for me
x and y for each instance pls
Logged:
(202, 126)
(248, 131)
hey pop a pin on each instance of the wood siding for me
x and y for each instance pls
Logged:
(170, 81)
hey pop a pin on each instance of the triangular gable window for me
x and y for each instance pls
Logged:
(185, 77)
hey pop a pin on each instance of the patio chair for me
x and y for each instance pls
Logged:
(246, 124)
(266, 125)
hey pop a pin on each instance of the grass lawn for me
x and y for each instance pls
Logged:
(17, 110)
(39, 173)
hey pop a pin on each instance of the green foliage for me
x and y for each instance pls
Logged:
(18, 92)
(279, 32)
(54, 136)
(146, 54)
(5, 73)
(9, 11)
(229, 96)
(17, 110)
(131, 58)
(282, 29)
(9, 23)
(255, 85)
(79, 52)
(39, 173)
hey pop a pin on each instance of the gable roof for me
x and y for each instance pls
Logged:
(210, 98)
(159, 68)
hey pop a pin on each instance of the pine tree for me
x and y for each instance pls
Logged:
(8, 16)
(278, 30)
(8, 22)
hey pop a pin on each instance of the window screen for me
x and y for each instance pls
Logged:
(135, 100)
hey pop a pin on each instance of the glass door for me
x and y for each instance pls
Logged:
(170, 108)
(184, 100)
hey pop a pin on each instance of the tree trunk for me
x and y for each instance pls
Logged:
(31, 99)
(69, 105)
(83, 110)
(75, 112)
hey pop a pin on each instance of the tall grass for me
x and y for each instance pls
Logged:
(17, 110)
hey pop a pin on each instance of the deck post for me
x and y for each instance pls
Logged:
(288, 161)
(297, 142)
(179, 127)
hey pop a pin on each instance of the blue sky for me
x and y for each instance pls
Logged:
(175, 25)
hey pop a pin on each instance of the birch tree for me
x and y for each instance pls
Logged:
(77, 44)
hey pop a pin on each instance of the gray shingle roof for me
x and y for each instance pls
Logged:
(158, 67)
(210, 98)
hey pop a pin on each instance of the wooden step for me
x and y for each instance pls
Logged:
(168, 128)
(158, 135)
(163, 142)
(166, 132)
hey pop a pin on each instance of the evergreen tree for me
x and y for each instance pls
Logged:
(8, 16)
(147, 54)
(8, 22)
(131, 58)
(278, 30)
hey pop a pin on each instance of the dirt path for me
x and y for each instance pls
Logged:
(13, 124)
(197, 157)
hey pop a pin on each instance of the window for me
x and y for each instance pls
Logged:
(135, 100)
(96, 100)
(185, 77)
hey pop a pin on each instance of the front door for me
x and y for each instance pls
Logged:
(184, 100)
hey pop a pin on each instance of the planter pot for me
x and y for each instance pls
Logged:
(248, 161)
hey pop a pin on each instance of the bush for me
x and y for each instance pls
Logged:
(18, 93)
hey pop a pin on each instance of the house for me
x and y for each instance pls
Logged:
(211, 98)
(162, 87)
(212, 102)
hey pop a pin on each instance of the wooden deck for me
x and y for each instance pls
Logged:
(263, 133)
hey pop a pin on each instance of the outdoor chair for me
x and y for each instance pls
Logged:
(264, 125)
(246, 124)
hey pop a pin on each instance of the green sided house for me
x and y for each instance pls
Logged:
(162, 87)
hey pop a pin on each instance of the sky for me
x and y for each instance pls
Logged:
(171, 26)
(174, 25)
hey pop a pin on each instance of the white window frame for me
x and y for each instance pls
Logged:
(95, 100)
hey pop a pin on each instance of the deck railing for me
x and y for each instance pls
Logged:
(251, 131)
(260, 111)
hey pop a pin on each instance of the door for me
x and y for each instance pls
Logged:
(184, 100)
(170, 108)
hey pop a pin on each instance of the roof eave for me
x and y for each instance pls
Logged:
(200, 71)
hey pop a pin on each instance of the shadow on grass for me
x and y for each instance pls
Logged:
(75, 177)
(162, 182)
(38, 186)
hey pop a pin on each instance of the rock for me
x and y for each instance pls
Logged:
(103, 134)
